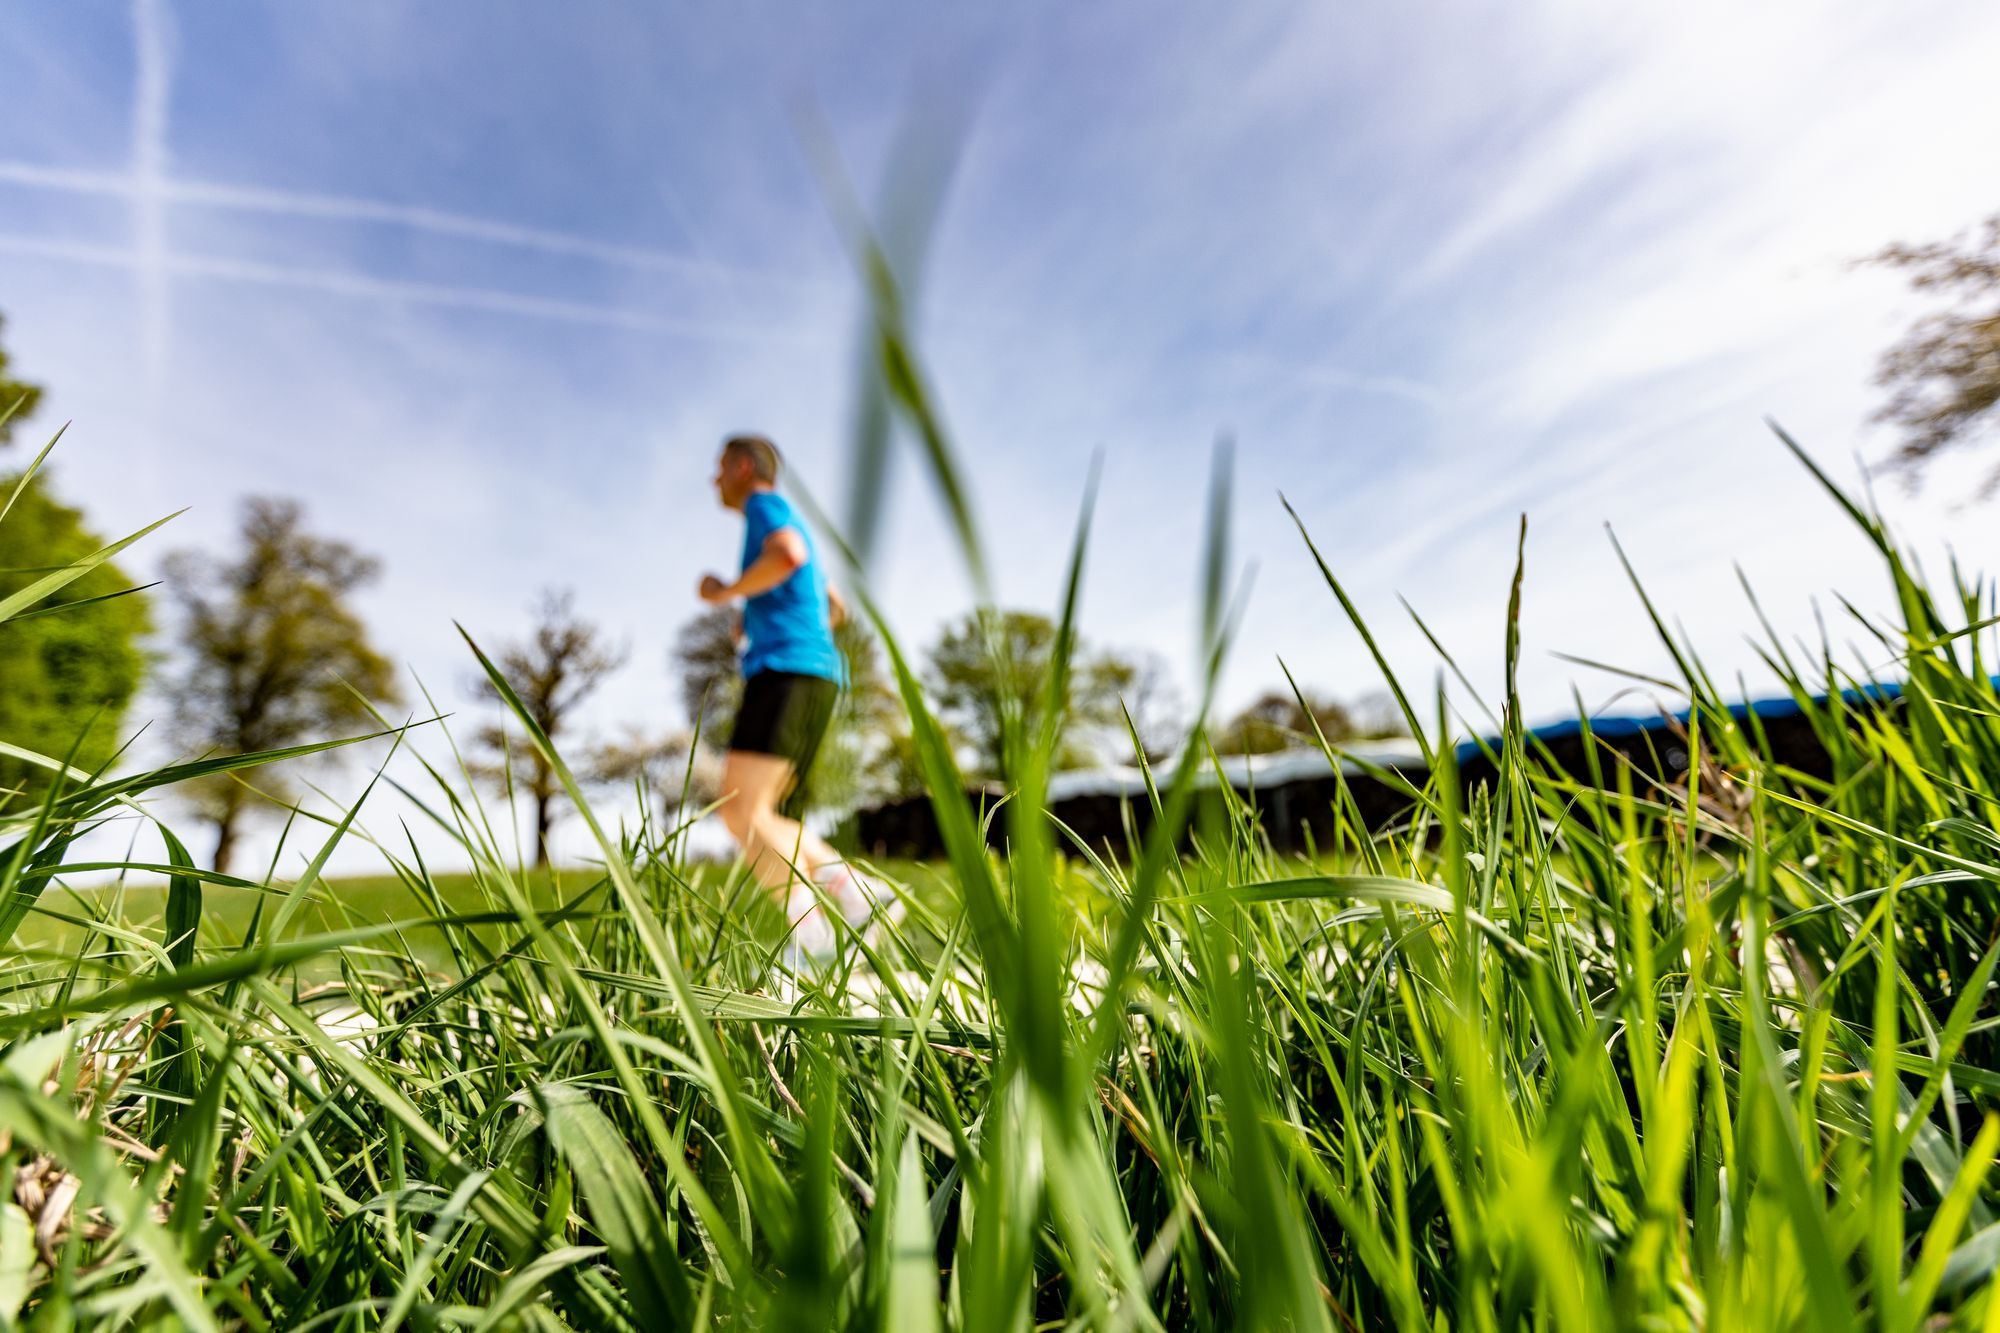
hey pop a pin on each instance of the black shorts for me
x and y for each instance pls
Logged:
(786, 714)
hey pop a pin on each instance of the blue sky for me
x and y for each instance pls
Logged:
(484, 284)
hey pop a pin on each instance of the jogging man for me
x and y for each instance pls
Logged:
(792, 678)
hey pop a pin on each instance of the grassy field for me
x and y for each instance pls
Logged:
(85, 921)
(1565, 1051)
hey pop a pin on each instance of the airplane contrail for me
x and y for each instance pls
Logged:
(446, 223)
(337, 283)
(151, 189)
(252, 199)
(470, 298)
(65, 178)
(150, 96)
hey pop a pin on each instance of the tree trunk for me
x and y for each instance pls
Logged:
(225, 840)
(544, 816)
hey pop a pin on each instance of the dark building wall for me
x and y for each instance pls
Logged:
(1301, 813)
(908, 828)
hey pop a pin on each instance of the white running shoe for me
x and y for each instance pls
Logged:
(860, 900)
(812, 939)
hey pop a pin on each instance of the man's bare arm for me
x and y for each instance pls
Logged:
(836, 607)
(784, 552)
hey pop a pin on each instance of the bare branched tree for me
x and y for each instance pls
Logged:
(1143, 684)
(707, 661)
(1944, 376)
(669, 766)
(561, 664)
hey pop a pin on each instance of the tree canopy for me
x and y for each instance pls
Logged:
(18, 398)
(858, 760)
(709, 665)
(273, 652)
(1277, 720)
(987, 672)
(68, 669)
(668, 765)
(70, 664)
(1144, 685)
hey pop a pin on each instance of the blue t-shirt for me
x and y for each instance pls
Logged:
(787, 627)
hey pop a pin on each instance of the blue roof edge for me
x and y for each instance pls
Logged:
(1637, 724)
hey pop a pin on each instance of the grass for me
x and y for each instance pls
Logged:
(1566, 1051)
(83, 920)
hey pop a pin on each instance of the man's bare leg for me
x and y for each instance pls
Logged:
(779, 850)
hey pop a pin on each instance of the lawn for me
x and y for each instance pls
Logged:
(1560, 1050)
(86, 922)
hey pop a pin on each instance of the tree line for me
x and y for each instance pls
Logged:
(269, 651)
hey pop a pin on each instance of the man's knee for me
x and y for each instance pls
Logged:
(753, 784)
(735, 818)
(739, 814)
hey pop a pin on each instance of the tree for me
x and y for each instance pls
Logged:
(1143, 683)
(711, 672)
(855, 763)
(555, 670)
(1944, 376)
(987, 672)
(667, 764)
(1377, 716)
(69, 668)
(1276, 721)
(70, 665)
(273, 653)
(18, 398)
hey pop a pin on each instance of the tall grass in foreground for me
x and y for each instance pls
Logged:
(1569, 1050)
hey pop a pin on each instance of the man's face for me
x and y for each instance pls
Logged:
(733, 477)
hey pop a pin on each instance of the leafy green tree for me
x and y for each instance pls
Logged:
(986, 673)
(18, 398)
(1276, 721)
(553, 671)
(1944, 376)
(70, 666)
(69, 669)
(273, 654)
(854, 765)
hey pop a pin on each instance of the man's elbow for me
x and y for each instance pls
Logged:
(790, 554)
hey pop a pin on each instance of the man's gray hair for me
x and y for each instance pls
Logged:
(763, 455)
